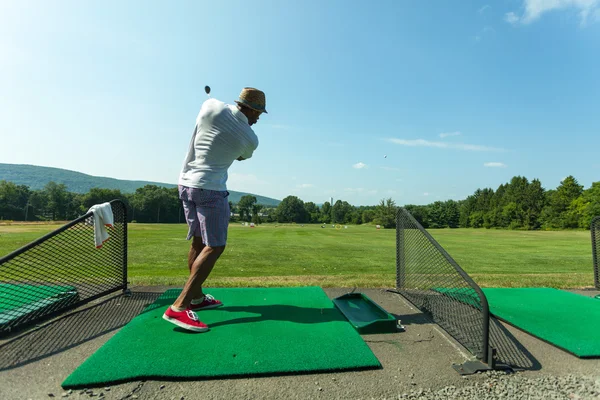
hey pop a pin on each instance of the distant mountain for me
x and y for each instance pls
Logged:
(37, 177)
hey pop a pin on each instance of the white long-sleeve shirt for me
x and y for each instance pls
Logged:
(222, 135)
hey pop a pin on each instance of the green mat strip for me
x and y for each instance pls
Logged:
(464, 295)
(258, 331)
(566, 320)
(17, 301)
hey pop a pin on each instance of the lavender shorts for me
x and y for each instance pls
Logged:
(207, 214)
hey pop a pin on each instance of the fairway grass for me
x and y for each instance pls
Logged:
(273, 255)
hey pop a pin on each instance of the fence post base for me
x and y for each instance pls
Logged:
(473, 367)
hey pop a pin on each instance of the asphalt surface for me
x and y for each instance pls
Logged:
(34, 363)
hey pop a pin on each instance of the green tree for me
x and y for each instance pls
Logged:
(313, 211)
(476, 219)
(326, 213)
(342, 211)
(99, 196)
(385, 213)
(14, 200)
(420, 213)
(291, 209)
(245, 206)
(534, 203)
(516, 196)
(557, 214)
(368, 216)
(150, 200)
(451, 213)
(584, 208)
(38, 202)
(466, 209)
(510, 215)
(256, 208)
(356, 217)
(436, 215)
(58, 198)
(592, 197)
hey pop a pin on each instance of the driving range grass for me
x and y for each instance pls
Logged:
(361, 256)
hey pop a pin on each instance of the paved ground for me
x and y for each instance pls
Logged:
(33, 364)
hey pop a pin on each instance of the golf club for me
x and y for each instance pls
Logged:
(207, 90)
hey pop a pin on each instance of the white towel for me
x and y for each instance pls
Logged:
(103, 217)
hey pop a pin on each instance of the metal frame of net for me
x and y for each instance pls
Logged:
(62, 270)
(429, 278)
(595, 232)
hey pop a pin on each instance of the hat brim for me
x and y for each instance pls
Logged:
(249, 106)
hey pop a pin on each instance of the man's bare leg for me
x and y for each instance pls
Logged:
(201, 269)
(195, 250)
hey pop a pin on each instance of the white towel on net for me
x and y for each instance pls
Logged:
(103, 217)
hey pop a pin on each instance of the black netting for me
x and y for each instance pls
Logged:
(430, 279)
(62, 270)
(595, 229)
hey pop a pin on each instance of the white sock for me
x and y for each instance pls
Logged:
(178, 309)
(198, 301)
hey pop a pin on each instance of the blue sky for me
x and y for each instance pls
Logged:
(458, 95)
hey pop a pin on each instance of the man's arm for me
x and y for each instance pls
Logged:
(248, 153)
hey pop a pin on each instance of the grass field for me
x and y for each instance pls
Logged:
(290, 255)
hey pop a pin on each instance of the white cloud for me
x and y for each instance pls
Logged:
(442, 145)
(482, 9)
(535, 8)
(426, 194)
(494, 165)
(511, 18)
(448, 134)
(486, 31)
(360, 165)
(305, 185)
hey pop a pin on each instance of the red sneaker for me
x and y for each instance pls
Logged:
(208, 303)
(186, 319)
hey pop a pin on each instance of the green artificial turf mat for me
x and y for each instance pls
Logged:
(258, 331)
(567, 320)
(17, 301)
(464, 295)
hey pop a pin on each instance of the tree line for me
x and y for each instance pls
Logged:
(157, 204)
(518, 204)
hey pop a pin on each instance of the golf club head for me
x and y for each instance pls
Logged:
(207, 90)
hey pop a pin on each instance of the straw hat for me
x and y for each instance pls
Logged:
(253, 98)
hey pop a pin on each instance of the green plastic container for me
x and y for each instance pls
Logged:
(365, 315)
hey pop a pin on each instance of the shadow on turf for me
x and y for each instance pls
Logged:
(301, 315)
(73, 329)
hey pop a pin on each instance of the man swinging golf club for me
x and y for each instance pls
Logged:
(221, 136)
